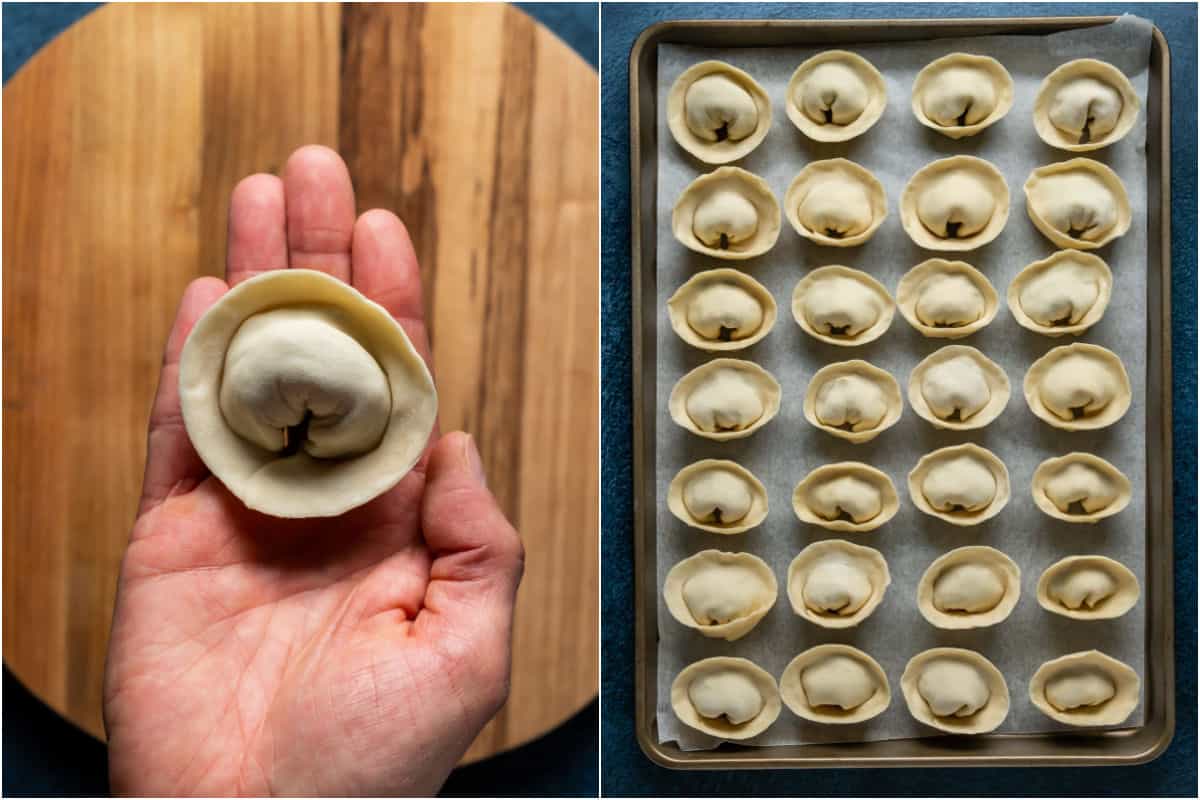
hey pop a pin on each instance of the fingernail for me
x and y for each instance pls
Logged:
(473, 462)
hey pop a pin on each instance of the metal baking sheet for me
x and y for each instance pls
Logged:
(1028, 552)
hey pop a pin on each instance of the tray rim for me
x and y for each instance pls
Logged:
(1160, 505)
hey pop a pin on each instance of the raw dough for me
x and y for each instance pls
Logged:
(1065, 293)
(853, 400)
(961, 94)
(725, 398)
(842, 306)
(302, 396)
(836, 203)
(837, 584)
(1085, 104)
(729, 698)
(721, 595)
(1079, 203)
(955, 204)
(958, 388)
(1088, 587)
(946, 299)
(1078, 387)
(969, 587)
(1086, 689)
(836, 684)
(722, 310)
(962, 484)
(847, 496)
(728, 214)
(717, 112)
(717, 496)
(1080, 487)
(835, 96)
(955, 690)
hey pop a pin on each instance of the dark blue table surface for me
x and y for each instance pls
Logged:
(626, 771)
(46, 756)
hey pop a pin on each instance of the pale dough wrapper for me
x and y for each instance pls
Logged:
(835, 202)
(728, 214)
(721, 595)
(1080, 487)
(717, 112)
(726, 398)
(847, 496)
(835, 96)
(1085, 95)
(961, 94)
(946, 299)
(835, 684)
(842, 306)
(853, 400)
(1087, 588)
(720, 310)
(955, 690)
(1078, 387)
(729, 698)
(969, 587)
(958, 388)
(1079, 203)
(837, 584)
(1086, 689)
(963, 484)
(717, 496)
(1066, 293)
(954, 204)
(298, 353)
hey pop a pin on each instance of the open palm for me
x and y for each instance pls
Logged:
(353, 655)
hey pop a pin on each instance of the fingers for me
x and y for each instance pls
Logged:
(257, 228)
(386, 271)
(170, 458)
(320, 211)
(477, 564)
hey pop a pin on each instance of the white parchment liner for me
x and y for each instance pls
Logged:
(787, 448)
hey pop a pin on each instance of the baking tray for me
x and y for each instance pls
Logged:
(1111, 748)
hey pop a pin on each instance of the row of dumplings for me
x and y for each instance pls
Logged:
(719, 113)
(948, 688)
(953, 204)
(961, 484)
(1073, 387)
(722, 310)
(837, 584)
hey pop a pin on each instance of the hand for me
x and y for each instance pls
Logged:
(348, 656)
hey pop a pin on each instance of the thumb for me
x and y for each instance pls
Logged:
(477, 564)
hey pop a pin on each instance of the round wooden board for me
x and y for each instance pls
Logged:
(122, 141)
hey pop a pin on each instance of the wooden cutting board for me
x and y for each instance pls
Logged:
(122, 140)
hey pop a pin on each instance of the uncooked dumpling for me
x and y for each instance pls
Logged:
(728, 214)
(1086, 689)
(963, 484)
(1079, 203)
(955, 204)
(302, 396)
(1088, 587)
(722, 310)
(835, 96)
(836, 203)
(1078, 387)
(853, 400)
(946, 299)
(958, 388)
(1080, 487)
(729, 698)
(847, 496)
(717, 496)
(837, 584)
(842, 306)
(726, 398)
(1085, 104)
(721, 595)
(835, 684)
(969, 587)
(955, 690)
(961, 94)
(717, 112)
(1065, 293)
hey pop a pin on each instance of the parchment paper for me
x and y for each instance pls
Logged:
(788, 447)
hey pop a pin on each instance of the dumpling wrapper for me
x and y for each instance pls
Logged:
(835, 202)
(717, 112)
(853, 400)
(1079, 204)
(290, 341)
(955, 690)
(835, 96)
(725, 697)
(835, 684)
(955, 204)
(1066, 293)
(960, 94)
(1085, 94)
(969, 587)
(1086, 689)
(946, 299)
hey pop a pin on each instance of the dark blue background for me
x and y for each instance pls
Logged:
(46, 756)
(626, 770)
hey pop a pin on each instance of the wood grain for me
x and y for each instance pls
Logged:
(123, 139)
